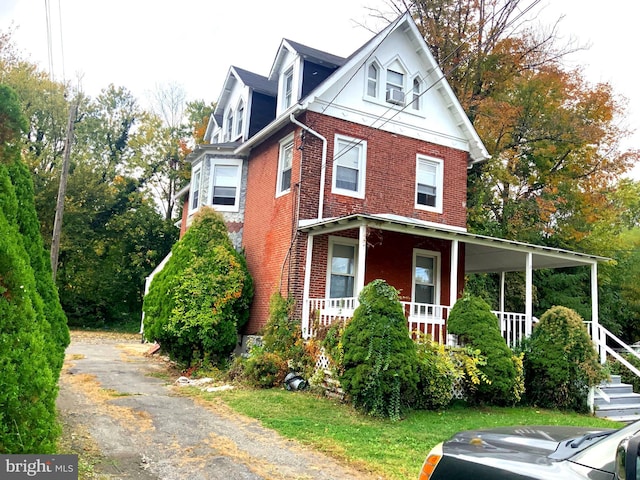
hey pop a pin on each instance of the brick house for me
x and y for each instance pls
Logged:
(332, 172)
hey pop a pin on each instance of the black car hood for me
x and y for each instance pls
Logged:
(530, 444)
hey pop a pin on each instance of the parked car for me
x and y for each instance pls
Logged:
(537, 452)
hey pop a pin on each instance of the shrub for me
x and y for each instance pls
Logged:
(199, 301)
(477, 327)
(560, 361)
(437, 373)
(626, 375)
(264, 369)
(380, 360)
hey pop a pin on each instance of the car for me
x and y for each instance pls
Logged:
(537, 452)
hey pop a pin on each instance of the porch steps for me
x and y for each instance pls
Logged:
(624, 405)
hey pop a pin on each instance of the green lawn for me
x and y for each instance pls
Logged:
(394, 450)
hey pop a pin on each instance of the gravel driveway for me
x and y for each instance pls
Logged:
(143, 428)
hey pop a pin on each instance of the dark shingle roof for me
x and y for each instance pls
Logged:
(257, 82)
(315, 55)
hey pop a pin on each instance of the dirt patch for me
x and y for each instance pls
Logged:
(117, 401)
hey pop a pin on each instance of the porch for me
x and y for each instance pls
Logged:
(421, 318)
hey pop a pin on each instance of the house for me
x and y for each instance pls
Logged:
(331, 172)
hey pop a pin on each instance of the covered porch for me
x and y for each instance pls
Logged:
(352, 250)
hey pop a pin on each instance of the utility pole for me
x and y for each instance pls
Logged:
(62, 190)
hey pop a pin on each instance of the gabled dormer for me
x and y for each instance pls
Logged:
(298, 70)
(246, 104)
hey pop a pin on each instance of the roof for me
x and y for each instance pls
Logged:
(258, 83)
(315, 55)
(483, 254)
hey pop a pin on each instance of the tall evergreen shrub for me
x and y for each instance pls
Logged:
(477, 327)
(380, 359)
(33, 331)
(560, 361)
(199, 301)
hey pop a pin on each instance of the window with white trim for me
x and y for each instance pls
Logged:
(240, 119)
(287, 90)
(395, 87)
(349, 166)
(429, 183)
(285, 164)
(342, 267)
(373, 73)
(229, 129)
(226, 186)
(417, 84)
(196, 176)
(426, 277)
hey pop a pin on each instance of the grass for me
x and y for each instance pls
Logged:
(394, 450)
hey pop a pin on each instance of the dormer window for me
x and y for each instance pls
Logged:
(240, 121)
(395, 87)
(229, 129)
(373, 73)
(287, 91)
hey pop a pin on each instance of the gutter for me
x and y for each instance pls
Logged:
(267, 131)
(323, 169)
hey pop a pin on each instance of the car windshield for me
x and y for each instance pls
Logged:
(602, 454)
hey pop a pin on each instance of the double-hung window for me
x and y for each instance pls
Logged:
(429, 184)
(415, 103)
(240, 120)
(372, 80)
(229, 130)
(287, 89)
(285, 164)
(395, 87)
(349, 166)
(342, 268)
(225, 180)
(425, 277)
(195, 189)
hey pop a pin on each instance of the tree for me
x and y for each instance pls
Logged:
(200, 300)
(33, 335)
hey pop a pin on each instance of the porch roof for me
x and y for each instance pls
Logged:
(483, 254)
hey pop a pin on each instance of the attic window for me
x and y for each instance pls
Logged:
(239, 122)
(415, 103)
(395, 87)
(287, 89)
(229, 129)
(372, 80)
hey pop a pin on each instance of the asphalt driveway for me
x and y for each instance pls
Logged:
(119, 401)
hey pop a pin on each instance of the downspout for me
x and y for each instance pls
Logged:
(324, 162)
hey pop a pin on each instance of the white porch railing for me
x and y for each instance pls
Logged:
(603, 340)
(421, 317)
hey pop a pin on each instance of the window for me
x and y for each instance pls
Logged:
(425, 277)
(229, 130)
(225, 185)
(287, 89)
(226, 175)
(349, 162)
(429, 184)
(285, 163)
(195, 189)
(240, 121)
(342, 268)
(395, 87)
(372, 80)
(415, 104)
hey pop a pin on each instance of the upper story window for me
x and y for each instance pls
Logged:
(349, 166)
(373, 73)
(196, 176)
(417, 86)
(225, 188)
(287, 90)
(229, 126)
(285, 163)
(429, 184)
(240, 119)
(395, 87)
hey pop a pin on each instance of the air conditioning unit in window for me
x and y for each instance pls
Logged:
(395, 96)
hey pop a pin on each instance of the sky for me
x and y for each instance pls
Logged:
(144, 45)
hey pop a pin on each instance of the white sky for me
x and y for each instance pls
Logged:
(141, 44)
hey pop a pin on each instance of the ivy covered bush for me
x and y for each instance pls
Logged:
(477, 327)
(199, 301)
(380, 359)
(560, 362)
(437, 373)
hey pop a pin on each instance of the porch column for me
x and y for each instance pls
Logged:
(503, 276)
(362, 259)
(528, 309)
(306, 331)
(595, 322)
(453, 282)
